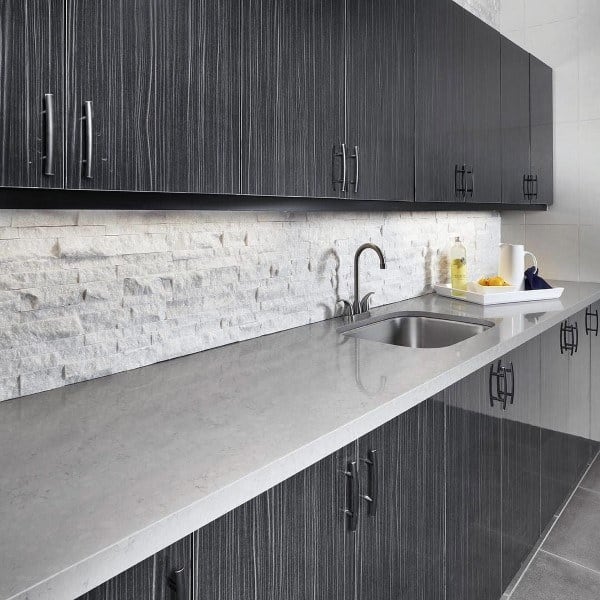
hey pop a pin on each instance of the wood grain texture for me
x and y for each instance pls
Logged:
(148, 580)
(401, 547)
(380, 97)
(482, 109)
(31, 65)
(473, 491)
(292, 90)
(440, 118)
(291, 542)
(111, 62)
(515, 122)
(542, 143)
(521, 456)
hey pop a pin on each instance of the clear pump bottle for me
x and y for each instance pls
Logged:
(458, 265)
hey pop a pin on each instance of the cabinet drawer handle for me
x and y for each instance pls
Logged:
(569, 338)
(470, 177)
(372, 482)
(353, 494)
(355, 156)
(49, 135)
(591, 321)
(342, 155)
(459, 181)
(89, 133)
(178, 583)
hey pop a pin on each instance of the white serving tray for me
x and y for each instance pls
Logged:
(445, 289)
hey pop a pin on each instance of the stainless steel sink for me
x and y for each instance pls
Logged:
(417, 329)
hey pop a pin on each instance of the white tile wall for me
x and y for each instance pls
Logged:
(566, 35)
(84, 294)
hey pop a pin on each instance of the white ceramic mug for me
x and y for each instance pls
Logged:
(511, 265)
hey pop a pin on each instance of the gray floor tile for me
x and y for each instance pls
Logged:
(576, 535)
(592, 479)
(551, 578)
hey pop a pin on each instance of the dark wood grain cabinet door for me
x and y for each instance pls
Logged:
(521, 457)
(380, 99)
(292, 97)
(473, 491)
(565, 413)
(542, 138)
(482, 112)
(439, 109)
(112, 134)
(515, 123)
(152, 579)
(32, 98)
(401, 545)
(291, 542)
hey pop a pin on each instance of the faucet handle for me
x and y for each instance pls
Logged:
(365, 303)
(348, 309)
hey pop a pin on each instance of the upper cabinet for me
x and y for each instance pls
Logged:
(515, 123)
(457, 106)
(380, 138)
(541, 179)
(327, 101)
(32, 99)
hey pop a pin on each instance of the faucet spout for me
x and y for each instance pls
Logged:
(357, 301)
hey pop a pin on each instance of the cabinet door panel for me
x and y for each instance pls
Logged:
(595, 378)
(542, 138)
(564, 452)
(150, 579)
(380, 93)
(482, 110)
(515, 122)
(31, 66)
(401, 546)
(110, 63)
(197, 97)
(292, 77)
(291, 542)
(521, 461)
(473, 492)
(439, 99)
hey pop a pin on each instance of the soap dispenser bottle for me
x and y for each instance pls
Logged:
(458, 265)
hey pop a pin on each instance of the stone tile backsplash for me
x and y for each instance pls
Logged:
(86, 294)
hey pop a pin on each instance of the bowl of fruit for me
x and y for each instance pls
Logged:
(490, 285)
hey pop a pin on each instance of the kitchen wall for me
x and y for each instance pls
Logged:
(566, 35)
(85, 294)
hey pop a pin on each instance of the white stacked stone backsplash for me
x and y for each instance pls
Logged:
(86, 294)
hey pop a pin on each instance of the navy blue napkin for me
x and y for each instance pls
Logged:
(534, 282)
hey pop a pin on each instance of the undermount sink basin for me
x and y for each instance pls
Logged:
(417, 329)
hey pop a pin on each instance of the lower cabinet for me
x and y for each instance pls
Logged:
(400, 537)
(565, 422)
(292, 542)
(160, 577)
(443, 502)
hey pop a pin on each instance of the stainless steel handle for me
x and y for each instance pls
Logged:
(344, 168)
(49, 135)
(356, 172)
(353, 496)
(178, 583)
(344, 179)
(373, 482)
(89, 132)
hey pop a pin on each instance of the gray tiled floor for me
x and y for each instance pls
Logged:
(567, 564)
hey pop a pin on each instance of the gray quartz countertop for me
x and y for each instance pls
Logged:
(97, 476)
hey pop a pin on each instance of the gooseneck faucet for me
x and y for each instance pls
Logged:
(359, 306)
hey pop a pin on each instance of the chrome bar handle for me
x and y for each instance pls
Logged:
(352, 511)
(177, 582)
(373, 482)
(49, 134)
(344, 168)
(89, 132)
(355, 156)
